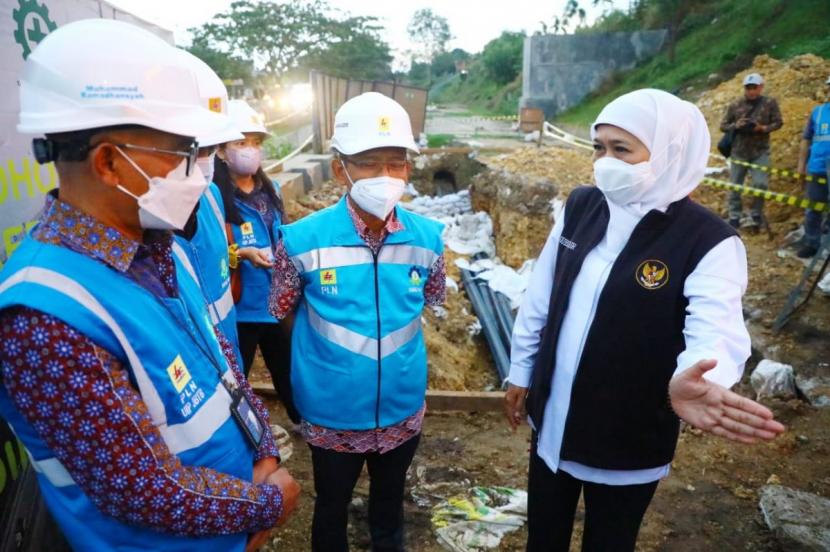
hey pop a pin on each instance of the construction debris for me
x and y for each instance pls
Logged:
(773, 379)
(479, 521)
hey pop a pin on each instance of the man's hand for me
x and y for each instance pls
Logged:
(741, 123)
(264, 468)
(514, 405)
(290, 492)
(713, 408)
(258, 258)
(761, 128)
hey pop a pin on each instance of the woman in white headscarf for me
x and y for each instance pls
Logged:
(632, 321)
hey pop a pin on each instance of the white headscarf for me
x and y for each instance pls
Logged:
(676, 135)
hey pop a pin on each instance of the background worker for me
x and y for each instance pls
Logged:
(353, 280)
(128, 400)
(254, 211)
(814, 159)
(753, 117)
(206, 246)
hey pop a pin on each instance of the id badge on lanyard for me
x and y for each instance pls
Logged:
(247, 418)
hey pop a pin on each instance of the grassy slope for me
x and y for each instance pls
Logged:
(478, 94)
(722, 40)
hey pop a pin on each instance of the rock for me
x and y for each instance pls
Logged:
(712, 77)
(815, 389)
(773, 379)
(800, 520)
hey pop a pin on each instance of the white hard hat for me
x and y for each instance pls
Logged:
(98, 73)
(371, 121)
(246, 118)
(214, 96)
(753, 78)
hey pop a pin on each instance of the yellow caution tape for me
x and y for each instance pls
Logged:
(778, 197)
(782, 172)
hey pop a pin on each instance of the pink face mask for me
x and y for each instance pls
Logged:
(244, 161)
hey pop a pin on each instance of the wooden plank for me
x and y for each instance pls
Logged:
(466, 149)
(466, 401)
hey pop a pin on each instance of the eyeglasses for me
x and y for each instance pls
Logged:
(190, 155)
(397, 166)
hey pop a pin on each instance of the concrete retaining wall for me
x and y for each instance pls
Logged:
(560, 70)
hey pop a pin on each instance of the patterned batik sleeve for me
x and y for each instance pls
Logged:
(267, 447)
(79, 399)
(286, 286)
(435, 290)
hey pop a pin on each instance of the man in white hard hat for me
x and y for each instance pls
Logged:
(203, 250)
(814, 160)
(354, 278)
(128, 400)
(752, 118)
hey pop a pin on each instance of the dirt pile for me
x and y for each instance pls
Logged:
(565, 167)
(520, 207)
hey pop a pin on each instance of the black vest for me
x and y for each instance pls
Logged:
(620, 417)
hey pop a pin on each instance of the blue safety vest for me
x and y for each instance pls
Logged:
(174, 361)
(358, 359)
(205, 257)
(820, 146)
(256, 282)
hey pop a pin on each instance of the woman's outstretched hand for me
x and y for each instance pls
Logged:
(713, 408)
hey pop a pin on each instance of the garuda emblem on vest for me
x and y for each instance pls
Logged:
(652, 274)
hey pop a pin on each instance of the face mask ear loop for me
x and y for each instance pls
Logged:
(131, 162)
(345, 170)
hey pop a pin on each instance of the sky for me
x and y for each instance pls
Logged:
(472, 23)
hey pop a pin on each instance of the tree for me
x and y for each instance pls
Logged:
(354, 50)
(273, 35)
(228, 67)
(431, 32)
(502, 57)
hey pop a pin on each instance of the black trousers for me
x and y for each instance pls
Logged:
(276, 351)
(335, 475)
(613, 513)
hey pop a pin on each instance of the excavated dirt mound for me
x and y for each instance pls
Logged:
(520, 207)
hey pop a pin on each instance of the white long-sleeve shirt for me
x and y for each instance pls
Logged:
(714, 328)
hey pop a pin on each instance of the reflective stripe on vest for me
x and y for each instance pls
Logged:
(217, 212)
(336, 257)
(53, 470)
(220, 308)
(361, 344)
(179, 437)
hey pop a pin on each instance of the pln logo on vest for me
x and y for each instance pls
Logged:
(248, 237)
(178, 373)
(328, 281)
(652, 274)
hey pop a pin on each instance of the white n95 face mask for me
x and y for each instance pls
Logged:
(169, 201)
(623, 183)
(378, 195)
(205, 164)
